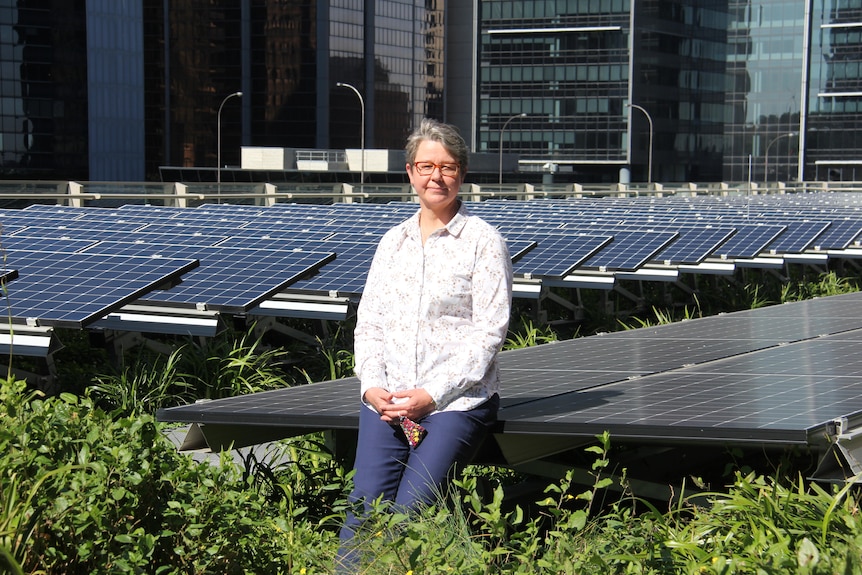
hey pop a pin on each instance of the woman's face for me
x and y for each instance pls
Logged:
(436, 176)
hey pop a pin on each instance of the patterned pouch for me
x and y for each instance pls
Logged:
(414, 432)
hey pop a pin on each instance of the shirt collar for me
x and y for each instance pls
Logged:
(454, 227)
(459, 220)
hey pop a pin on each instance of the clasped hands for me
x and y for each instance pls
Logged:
(411, 403)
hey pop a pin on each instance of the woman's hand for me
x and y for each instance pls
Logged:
(412, 403)
(377, 397)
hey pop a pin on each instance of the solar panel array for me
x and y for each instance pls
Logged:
(772, 376)
(247, 255)
(775, 375)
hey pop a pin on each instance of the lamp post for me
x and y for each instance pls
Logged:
(766, 154)
(218, 143)
(362, 131)
(506, 123)
(649, 120)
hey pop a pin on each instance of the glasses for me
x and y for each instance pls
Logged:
(427, 168)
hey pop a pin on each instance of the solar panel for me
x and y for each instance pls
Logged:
(694, 245)
(518, 248)
(691, 246)
(757, 377)
(697, 404)
(798, 237)
(231, 280)
(75, 289)
(344, 275)
(548, 370)
(619, 234)
(630, 250)
(167, 238)
(273, 239)
(330, 405)
(840, 234)
(188, 228)
(554, 255)
(47, 244)
(749, 241)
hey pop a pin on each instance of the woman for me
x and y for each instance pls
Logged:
(432, 319)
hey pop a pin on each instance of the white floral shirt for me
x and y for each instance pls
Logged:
(436, 316)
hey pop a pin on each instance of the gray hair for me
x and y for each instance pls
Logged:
(446, 135)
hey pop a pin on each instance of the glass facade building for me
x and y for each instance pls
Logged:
(565, 67)
(830, 127)
(287, 57)
(606, 86)
(100, 89)
(766, 68)
(580, 90)
(43, 89)
(690, 90)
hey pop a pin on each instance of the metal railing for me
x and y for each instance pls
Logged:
(110, 194)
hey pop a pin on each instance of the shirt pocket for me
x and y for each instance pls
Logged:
(453, 294)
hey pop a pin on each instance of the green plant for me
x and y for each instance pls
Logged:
(150, 383)
(664, 317)
(527, 334)
(303, 473)
(329, 360)
(470, 531)
(232, 364)
(827, 284)
(94, 493)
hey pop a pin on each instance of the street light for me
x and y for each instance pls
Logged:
(506, 123)
(766, 154)
(362, 131)
(218, 144)
(649, 119)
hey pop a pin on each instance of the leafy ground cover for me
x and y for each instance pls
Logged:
(87, 493)
(89, 484)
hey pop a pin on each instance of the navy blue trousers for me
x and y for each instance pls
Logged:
(386, 464)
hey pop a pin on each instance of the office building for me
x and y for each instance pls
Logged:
(579, 90)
